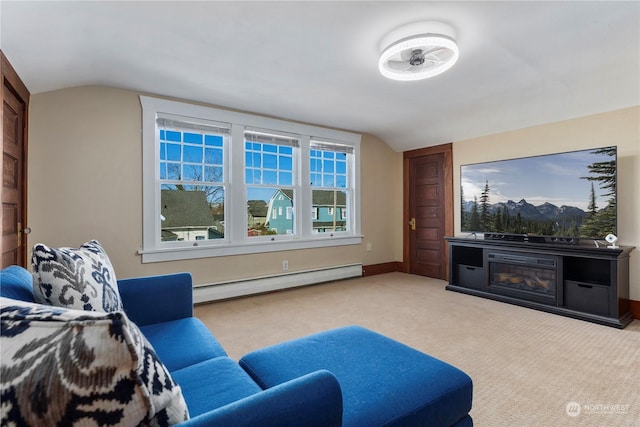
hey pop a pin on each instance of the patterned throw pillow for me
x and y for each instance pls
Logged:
(81, 278)
(71, 367)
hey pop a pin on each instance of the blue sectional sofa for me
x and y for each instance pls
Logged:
(343, 377)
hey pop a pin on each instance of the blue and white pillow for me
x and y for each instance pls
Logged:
(78, 278)
(73, 367)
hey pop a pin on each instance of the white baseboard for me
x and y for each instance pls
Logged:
(220, 291)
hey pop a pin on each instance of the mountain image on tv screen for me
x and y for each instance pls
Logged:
(569, 194)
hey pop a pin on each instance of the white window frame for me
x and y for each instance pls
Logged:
(236, 241)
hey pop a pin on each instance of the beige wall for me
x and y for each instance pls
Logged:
(621, 128)
(85, 182)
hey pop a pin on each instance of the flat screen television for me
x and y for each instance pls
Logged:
(569, 195)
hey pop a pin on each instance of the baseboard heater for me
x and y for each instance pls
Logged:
(237, 288)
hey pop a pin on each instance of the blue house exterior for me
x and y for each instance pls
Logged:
(280, 212)
(329, 211)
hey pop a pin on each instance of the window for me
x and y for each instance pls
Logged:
(330, 165)
(192, 180)
(269, 176)
(217, 182)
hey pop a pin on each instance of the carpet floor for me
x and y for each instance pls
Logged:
(529, 368)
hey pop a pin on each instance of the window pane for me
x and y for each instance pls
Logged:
(173, 171)
(213, 174)
(173, 152)
(256, 160)
(285, 162)
(269, 177)
(329, 206)
(314, 164)
(285, 178)
(192, 173)
(191, 213)
(192, 154)
(171, 135)
(270, 161)
(192, 138)
(213, 156)
(214, 140)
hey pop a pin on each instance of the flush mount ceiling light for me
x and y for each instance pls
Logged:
(427, 51)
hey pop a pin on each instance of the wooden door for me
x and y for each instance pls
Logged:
(428, 210)
(13, 168)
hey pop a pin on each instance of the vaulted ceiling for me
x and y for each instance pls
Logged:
(521, 63)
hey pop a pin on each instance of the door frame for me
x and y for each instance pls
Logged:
(447, 151)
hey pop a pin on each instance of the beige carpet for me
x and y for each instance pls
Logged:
(526, 365)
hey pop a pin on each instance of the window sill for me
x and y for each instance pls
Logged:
(209, 251)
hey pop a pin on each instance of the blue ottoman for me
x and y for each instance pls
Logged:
(383, 382)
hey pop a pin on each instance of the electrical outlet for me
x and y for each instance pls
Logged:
(285, 265)
(368, 247)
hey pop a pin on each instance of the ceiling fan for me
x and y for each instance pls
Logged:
(421, 54)
(416, 57)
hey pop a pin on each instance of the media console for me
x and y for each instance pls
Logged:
(567, 278)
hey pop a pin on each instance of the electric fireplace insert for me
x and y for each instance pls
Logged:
(529, 277)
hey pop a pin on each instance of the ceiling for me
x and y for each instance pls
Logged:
(521, 63)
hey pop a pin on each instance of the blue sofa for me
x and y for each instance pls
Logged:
(347, 376)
